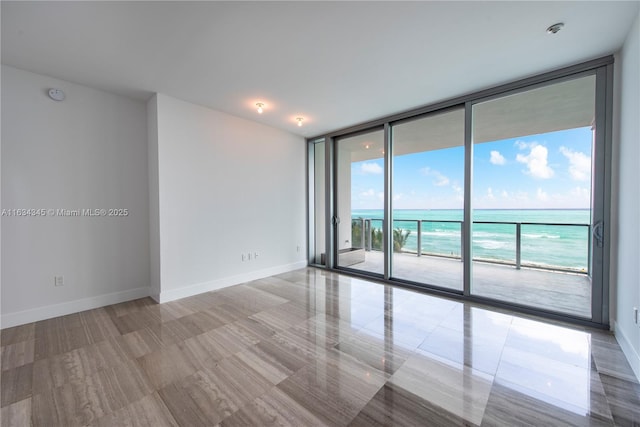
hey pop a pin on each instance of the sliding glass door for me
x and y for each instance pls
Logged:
(499, 197)
(428, 199)
(533, 196)
(359, 202)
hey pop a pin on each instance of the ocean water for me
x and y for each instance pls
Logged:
(547, 239)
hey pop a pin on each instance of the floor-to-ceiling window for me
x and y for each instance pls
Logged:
(532, 196)
(499, 196)
(316, 196)
(428, 199)
(359, 187)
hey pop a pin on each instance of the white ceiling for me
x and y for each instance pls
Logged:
(335, 63)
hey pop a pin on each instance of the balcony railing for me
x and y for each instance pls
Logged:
(368, 241)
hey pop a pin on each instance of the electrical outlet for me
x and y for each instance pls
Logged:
(244, 257)
(58, 281)
(255, 255)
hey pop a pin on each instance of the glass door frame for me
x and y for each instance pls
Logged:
(600, 192)
(334, 219)
(390, 148)
(311, 200)
(602, 68)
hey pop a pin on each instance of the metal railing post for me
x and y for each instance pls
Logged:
(518, 245)
(419, 238)
(368, 227)
(362, 233)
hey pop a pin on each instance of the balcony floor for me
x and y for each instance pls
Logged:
(568, 293)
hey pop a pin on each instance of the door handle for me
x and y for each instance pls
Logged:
(598, 233)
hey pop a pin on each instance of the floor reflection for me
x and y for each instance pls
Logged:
(313, 348)
(452, 353)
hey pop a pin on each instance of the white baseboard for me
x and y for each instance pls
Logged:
(55, 310)
(199, 288)
(8, 320)
(632, 355)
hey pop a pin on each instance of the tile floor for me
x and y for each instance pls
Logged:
(311, 348)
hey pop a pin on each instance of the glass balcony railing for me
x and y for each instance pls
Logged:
(552, 246)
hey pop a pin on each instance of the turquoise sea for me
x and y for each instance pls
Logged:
(564, 246)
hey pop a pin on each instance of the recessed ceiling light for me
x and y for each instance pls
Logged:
(299, 120)
(555, 28)
(260, 105)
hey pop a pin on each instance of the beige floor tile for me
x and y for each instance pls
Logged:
(455, 388)
(17, 354)
(17, 414)
(312, 347)
(16, 384)
(150, 411)
(84, 402)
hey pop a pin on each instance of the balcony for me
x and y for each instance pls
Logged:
(519, 278)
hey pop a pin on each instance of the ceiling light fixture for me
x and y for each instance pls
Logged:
(299, 120)
(260, 105)
(553, 29)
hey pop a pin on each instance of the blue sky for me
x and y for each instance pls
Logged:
(551, 170)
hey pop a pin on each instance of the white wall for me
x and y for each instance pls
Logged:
(626, 203)
(227, 186)
(88, 151)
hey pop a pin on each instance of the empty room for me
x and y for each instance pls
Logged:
(320, 213)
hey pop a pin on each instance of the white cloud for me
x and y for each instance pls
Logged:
(522, 196)
(497, 158)
(458, 190)
(440, 180)
(542, 195)
(490, 195)
(539, 198)
(381, 196)
(579, 164)
(368, 193)
(523, 145)
(536, 162)
(581, 194)
(372, 168)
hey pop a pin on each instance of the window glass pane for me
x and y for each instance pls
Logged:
(532, 174)
(428, 199)
(360, 199)
(317, 249)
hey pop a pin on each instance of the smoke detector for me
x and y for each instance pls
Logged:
(553, 29)
(56, 94)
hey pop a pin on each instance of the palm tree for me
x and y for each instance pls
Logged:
(376, 238)
(400, 239)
